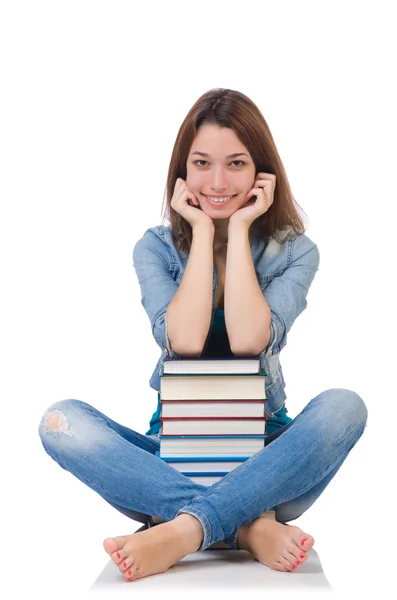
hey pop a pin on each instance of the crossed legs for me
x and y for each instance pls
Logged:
(291, 473)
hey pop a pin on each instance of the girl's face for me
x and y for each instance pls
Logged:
(212, 171)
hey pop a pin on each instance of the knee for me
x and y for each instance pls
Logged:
(55, 418)
(348, 408)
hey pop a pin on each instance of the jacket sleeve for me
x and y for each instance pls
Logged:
(157, 285)
(286, 293)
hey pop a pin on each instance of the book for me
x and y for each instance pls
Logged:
(208, 464)
(222, 408)
(212, 425)
(210, 445)
(212, 415)
(222, 365)
(213, 387)
(204, 478)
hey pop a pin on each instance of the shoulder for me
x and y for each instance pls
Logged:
(305, 251)
(155, 239)
(283, 250)
(295, 248)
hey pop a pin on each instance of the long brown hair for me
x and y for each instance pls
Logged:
(229, 108)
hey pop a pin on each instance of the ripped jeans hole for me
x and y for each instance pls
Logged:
(56, 421)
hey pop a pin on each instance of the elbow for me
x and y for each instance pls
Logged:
(186, 350)
(187, 353)
(185, 347)
(246, 352)
(254, 348)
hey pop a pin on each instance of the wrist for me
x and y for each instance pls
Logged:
(237, 226)
(208, 228)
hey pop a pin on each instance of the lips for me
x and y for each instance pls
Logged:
(219, 203)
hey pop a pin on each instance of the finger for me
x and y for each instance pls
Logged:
(264, 189)
(190, 195)
(255, 190)
(267, 176)
(266, 196)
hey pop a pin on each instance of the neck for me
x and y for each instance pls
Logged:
(221, 233)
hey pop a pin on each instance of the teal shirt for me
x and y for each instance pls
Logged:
(218, 345)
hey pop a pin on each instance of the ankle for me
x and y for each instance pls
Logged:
(269, 514)
(242, 537)
(191, 528)
(244, 531)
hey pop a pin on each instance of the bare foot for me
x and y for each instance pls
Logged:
(157, 549)
(278, 546)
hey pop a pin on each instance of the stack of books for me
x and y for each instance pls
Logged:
(212, 415)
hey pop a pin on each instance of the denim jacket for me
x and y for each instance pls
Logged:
(284, 271)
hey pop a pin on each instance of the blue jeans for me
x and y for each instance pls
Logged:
(288, 474)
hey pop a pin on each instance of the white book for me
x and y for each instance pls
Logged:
(205, 479)
(198, 467)
(192, 452)
(216, 427)
(212, 409)
(211, 365)
(212, 387)
(210, 446)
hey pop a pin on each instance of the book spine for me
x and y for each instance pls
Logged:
(213, 418)
(209, 401)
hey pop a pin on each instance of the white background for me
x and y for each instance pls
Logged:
(93, 95)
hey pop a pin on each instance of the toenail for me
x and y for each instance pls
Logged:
(303, 541)
(302, 556)
(298, 563)
(118, 555)
(125, 565)
(293, 566)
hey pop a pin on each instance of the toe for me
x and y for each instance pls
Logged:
(278, 566)
(295, 554)
(292, 559)
(111, 545)
(303, 540)
(118, 556)
(306, 542)
(129, 575)
(302, 558)
(125, 564)
(288, 565)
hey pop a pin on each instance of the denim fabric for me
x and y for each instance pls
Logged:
(288, 474)
(284, 270)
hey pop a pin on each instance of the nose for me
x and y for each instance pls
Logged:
(219, 181)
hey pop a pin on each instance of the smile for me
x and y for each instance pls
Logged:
(224, 200)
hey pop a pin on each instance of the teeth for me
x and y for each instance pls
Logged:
(219, 200)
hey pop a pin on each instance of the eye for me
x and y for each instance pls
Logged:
(204, 161)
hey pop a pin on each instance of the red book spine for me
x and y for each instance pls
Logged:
(213, 418)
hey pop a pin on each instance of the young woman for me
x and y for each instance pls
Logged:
(229, 275)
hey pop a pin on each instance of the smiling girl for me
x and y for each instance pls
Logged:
(228, 277)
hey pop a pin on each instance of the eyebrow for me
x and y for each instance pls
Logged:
(230, 155)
